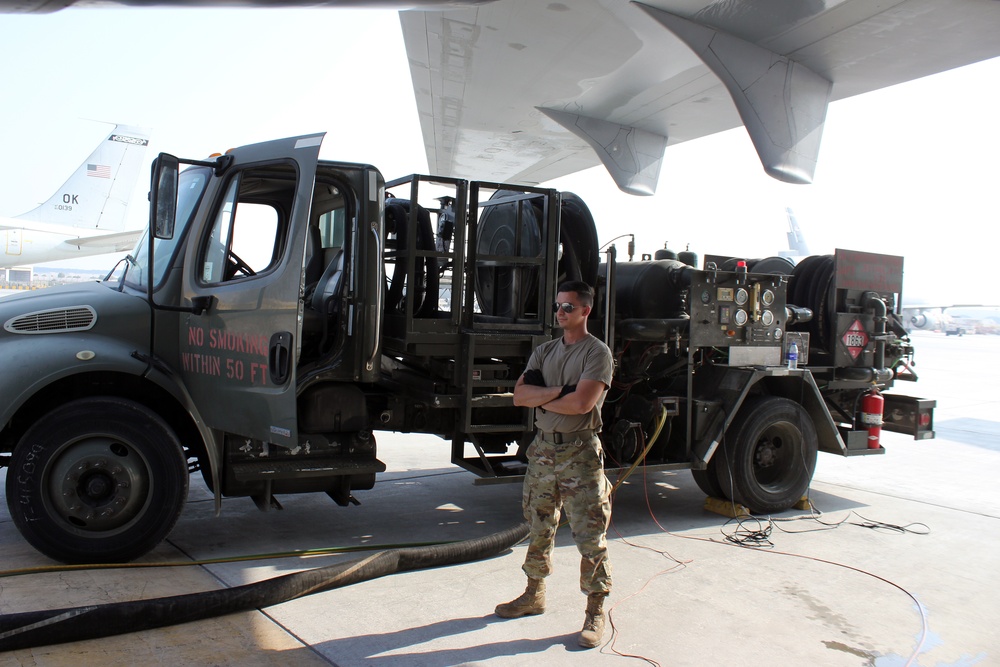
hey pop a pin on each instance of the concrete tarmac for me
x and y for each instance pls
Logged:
(897, 568)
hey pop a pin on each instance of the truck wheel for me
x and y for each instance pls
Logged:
(97, 480)
(768, 454)
(708, 480)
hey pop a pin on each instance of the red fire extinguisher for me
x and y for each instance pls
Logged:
(871, 416)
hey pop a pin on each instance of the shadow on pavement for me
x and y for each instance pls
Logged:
(375, 646)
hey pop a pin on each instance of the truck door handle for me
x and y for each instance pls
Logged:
(279, 357)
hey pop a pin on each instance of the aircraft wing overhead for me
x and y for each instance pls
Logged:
(526, 91)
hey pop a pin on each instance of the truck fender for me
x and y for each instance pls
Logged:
(164, 377)
(64, 356)
(721, 391)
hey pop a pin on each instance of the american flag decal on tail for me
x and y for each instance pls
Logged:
(99, 170)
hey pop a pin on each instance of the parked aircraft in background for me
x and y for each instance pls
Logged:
(86, 216)
(797, 246)
(524, 91)
(955, 319)
(927, 318)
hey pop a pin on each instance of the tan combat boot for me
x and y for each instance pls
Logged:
(530, 602)
(593, 625)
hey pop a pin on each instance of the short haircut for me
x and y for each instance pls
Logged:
(584, 292)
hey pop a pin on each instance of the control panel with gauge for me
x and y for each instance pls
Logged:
(739, 309)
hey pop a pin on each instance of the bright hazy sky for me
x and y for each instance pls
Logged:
(911, 170)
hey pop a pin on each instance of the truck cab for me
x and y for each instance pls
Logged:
(278, 311)
(247, 286)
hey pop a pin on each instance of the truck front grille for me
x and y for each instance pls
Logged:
(56, 320)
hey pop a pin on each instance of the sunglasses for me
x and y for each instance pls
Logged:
(566, 307)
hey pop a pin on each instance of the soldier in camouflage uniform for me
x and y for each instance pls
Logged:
(566, 381)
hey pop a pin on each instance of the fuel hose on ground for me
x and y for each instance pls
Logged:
(41, 628)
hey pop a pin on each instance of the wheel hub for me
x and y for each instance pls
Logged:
(97, 487)
(98, 484)
(766, 454)
(772, 459)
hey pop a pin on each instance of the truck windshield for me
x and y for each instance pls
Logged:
(191, 187)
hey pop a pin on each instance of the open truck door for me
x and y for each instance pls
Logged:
(242, 270)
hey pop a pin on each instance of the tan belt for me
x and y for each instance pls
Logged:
(572, 436)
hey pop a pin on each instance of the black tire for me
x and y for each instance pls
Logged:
(97, 480)
(768, 454)
(504, 290)
(708, 480)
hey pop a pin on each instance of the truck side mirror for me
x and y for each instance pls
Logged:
(163, 196)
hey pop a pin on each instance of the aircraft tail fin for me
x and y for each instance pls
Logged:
(96, 195)
(796, 239)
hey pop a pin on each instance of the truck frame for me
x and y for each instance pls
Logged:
(281, 310)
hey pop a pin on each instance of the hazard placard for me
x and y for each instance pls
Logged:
(855, 339)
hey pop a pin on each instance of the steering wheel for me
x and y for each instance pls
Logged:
(237, 265)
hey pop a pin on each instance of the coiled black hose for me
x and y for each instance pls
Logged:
(41, 628)
(810, 287)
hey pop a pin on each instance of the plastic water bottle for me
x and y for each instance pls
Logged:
(793, 356)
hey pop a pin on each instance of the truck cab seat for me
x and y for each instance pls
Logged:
(314, 257)
(324, 297)
(321, 302)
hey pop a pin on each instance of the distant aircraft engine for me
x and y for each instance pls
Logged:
(925, 320)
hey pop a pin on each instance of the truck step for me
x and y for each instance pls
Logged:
(494, 428)
(246, 471)
(493, 383)
(492, 400)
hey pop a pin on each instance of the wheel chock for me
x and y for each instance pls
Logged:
(803, 504)
(725, 507)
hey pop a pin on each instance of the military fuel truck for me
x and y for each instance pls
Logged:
(281, 310)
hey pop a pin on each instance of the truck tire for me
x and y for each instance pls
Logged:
(708, 480)
(768, 454)
(97, 480)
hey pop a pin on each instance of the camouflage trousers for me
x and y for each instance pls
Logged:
(570, 476)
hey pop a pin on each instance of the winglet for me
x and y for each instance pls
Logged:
(782, 103)
(632, 156)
